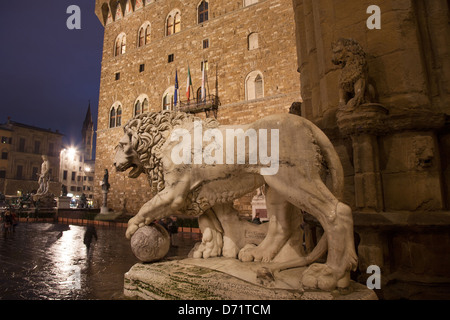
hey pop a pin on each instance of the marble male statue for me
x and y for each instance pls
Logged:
(305, 154)
(44, 176)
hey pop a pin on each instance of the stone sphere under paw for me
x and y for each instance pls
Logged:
(150, 243)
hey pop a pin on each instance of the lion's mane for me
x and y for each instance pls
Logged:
(149, 132)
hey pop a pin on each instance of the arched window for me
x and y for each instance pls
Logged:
(167, 102)
(112, 118)
(141, 105)
(259, 92)
(119, 116)
(137, 108)
(170, 25)
(167, 98)
(173, 24)
(147, 34)
(203, 14)
(145, 106)
(144, 34)
(253, 41)
(254, 86)
(120, 45)
(115, 115)
(177, 27)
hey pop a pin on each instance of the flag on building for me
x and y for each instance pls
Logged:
(175, 97)
(203, 97)
(189, 85)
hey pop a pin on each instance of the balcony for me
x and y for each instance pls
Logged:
(210, 105)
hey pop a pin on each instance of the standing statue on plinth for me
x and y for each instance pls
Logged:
(44, 176)
(105, 182)
(105, 189)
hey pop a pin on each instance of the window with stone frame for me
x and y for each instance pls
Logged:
(203, 12)
(254, 86)
(119, 116)
(167, 102)
(173, 24)
(253, 41)
(112, 118)
(137, 108)
(120, 46)
(144, 34)
(141, 105)
(145, 106)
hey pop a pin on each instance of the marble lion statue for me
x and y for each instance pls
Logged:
(184, 181)
(354, 86)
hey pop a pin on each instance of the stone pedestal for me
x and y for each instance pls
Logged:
(225, 279)
(63, 202)
(104, 208)
(364, 125)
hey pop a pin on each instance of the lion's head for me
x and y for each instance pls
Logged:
(145, 134)
(345, 50)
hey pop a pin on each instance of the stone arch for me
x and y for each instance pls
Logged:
(144, 34)
(167, 98)
(173, 22)
(254, 85)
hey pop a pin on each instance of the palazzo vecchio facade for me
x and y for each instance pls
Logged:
(248, 51)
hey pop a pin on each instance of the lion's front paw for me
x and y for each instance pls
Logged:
(323, 277)
(133, 225)
(211, 245)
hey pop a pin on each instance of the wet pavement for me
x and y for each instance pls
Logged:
(42, 261)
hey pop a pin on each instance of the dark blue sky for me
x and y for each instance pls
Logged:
(48, 73)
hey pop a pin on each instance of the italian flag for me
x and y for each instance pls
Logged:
(189, 85)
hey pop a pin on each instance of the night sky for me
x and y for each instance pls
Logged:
(49, 73)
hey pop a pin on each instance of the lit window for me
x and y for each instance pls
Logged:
(173, 24)
(144, 34)
(203, 12)
(120, 45)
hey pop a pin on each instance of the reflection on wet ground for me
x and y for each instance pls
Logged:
(51, 261)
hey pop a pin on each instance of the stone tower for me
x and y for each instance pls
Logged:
(87, 133)
(249, 67)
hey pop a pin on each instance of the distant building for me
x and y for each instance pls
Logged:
(22, 147)
(77, 164)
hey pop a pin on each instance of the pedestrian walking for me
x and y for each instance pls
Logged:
(90, 233)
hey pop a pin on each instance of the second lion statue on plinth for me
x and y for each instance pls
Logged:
(193, 169)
